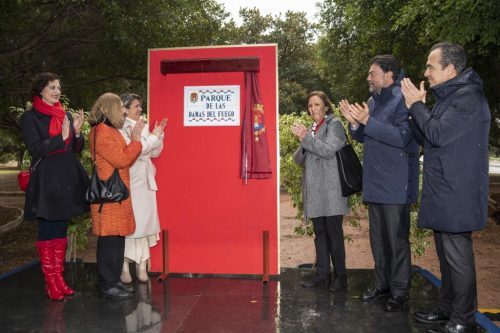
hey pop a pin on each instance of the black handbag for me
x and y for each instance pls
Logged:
(104, 191)
(350, 169)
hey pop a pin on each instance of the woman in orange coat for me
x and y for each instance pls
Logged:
(115, 220)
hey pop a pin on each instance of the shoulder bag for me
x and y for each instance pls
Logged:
(104, 191)
(23, 177)
(350, 169)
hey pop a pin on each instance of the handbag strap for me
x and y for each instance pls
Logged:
(33, 166)
(348, 141)
(95, 151)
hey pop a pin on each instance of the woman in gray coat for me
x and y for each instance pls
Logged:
(323, 200)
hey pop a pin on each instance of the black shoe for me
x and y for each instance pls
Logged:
(454, 328)
(375, 294)
(338, 284)
(315, 282)
(126, 287)
(433, 317)
(116, 294)
(395, 303)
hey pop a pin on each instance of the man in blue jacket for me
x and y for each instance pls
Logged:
(455, 189)
(390, 178)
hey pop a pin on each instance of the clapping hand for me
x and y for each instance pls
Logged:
(135, 132)
(78, 120)
(158, 130)
(345, 108)
(65, 128)
(411, 93)
(360, 113)
(299, 130)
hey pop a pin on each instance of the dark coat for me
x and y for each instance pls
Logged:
(455, 188)
(390, 152)
(57, 185)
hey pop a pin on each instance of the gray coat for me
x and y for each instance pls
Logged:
(320, 178)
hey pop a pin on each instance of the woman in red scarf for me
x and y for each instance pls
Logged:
(57, 185)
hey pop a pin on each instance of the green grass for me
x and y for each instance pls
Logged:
(6, 172)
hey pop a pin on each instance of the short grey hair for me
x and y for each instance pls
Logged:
(451, 53)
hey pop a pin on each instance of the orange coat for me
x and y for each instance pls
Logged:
(115, 219)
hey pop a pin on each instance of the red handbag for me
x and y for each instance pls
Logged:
(23, 177)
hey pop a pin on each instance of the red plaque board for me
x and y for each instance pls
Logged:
(215, 223)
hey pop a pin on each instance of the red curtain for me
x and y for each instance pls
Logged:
(255, 162)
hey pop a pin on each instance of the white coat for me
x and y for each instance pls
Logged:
(142, 182)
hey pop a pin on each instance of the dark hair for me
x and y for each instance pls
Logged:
(324, 98)
(387, 63)
(40, 81)
(128, 98)
(451, 53)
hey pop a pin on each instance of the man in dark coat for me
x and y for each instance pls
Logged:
(455, 189)
(390, 178)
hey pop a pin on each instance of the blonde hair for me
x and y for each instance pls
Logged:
(108, 107)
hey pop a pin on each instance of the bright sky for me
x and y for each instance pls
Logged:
(272, 7)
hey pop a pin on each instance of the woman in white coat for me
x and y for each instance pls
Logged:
(143, 191)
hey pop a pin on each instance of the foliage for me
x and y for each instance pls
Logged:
(95, 46)
(353, 31)
(297, 57)
(419, 238)
(9, 147)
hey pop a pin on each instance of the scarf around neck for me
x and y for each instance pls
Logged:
(55, 112)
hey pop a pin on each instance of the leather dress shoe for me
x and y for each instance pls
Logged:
(126, 287)
(116, 294)
(338, 284)
(454, 328)
(395, 303)
(315, 282)
(433, 317)
(374, 294)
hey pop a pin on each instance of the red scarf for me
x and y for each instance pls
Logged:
(55, 112)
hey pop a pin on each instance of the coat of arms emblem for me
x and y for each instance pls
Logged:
(193, 97)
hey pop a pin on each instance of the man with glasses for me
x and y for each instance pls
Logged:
(390, 178)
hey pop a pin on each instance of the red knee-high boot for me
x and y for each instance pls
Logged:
(45, 251)
(60, 254)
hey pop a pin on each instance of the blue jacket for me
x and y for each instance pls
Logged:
(390, 152)
(455, 188)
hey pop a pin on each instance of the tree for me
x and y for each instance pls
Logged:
(297, 57)
(473, 24)
(356, 30)
(95, 46)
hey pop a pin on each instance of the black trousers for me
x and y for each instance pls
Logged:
(458, 293)
(110, 251)
(329, 244)
(389, 241)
